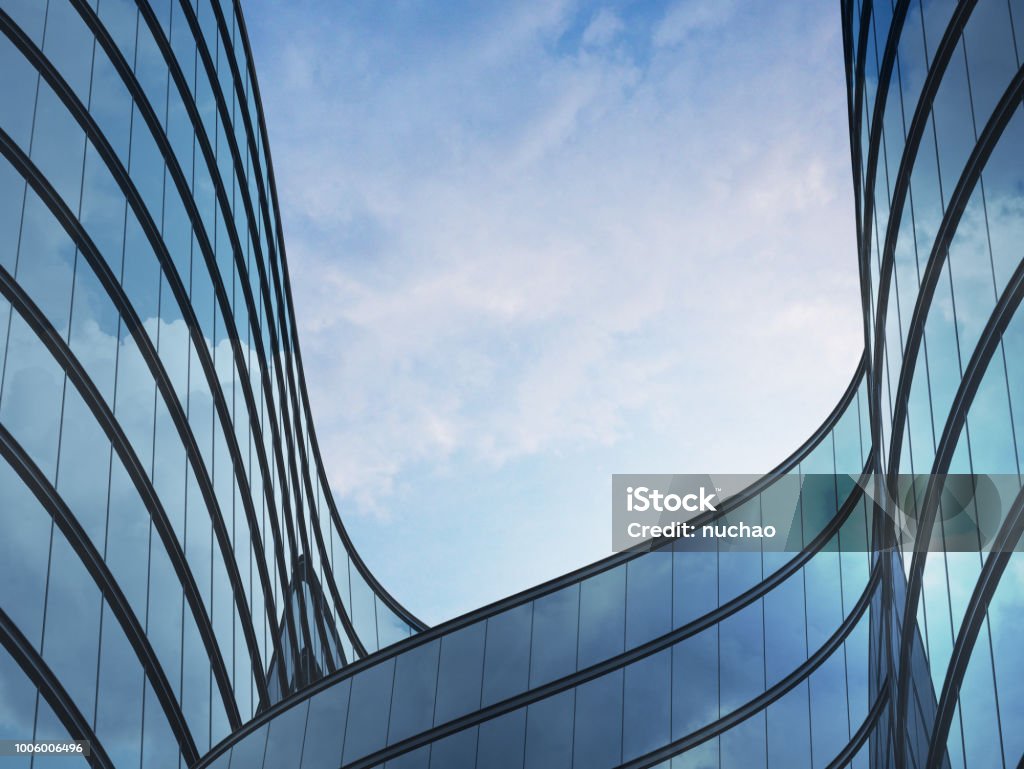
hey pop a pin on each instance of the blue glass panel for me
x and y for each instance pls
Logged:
(68, 46)
(58, 146)
(12, 193)
(24, 554)
(325, 727)
(364, 615)
(704, 756)
(744, 744)
(457, 751)
(555, 618)
(390, 627)
(789, 735)
(30, 400)
(127, 554)
(597, 739)
(71, 637)
(785, 640)
(741, 646)
(49, 727)
(694, 682)
(648, 597)
(248, 752)
(196, 686)
(824, 597)
(367, 726)
(507, 657)
(549, 732)
(695, 583)
(415, 686)
(17, 707)
(830, 725)
(159, 745)
(30, 15)
(978, 710)
(602, 616)
(501, 741)
(647, 705)
(285, 741)
(119, 703)
(461, 668)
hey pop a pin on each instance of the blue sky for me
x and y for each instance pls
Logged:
(536, 243)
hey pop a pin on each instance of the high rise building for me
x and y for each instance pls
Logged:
(176, 584)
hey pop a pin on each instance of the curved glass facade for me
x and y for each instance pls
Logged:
(171, 562)
(176, 584)
(938, 132)
(672, 657)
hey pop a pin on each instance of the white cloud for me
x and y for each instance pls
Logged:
(691, 16)
(508, 245)
(603, 28)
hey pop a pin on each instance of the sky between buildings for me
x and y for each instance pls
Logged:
(535, 243)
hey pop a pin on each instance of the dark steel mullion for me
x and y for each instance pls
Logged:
(730, 720)
(51, 689)
(87, 248)
(113, 596)
(885, 71)
(976, 162)
(865, 240)
(174, 280)
(315, 582)
(654, 646)
(292, 523)
(847, 754)
(858, 79)
(977, 366)
(915, 133)
(211, 163)
(1003, 546)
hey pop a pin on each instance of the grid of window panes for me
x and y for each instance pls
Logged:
(152, 391)
(939, 131)
(676, 657)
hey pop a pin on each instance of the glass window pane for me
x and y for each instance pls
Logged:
(248, 753)
(555, 618)
(647, 705)
(694, 682)
(325, 727)
(501, 741)
(71, 642)
(24, 554)
(458, 684)
(367, 727)
(507, 657)
(415, 685)
(284, 743)
(648, 597)
(457, 751)
(602, 616)
(17, 707)
(741, 645)
(597, 740)
(549, 732)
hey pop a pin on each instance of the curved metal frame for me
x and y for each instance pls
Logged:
(110, 425)
(975, 614)
(56, 696)
(113, 596)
